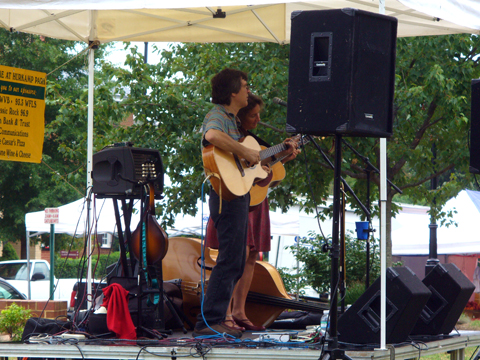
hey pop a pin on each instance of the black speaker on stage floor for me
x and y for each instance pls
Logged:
(342, 73)
(123, 170)
(406, 297)
(451, 290)
(475, 128)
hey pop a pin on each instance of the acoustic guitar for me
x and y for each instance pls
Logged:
(232, 176)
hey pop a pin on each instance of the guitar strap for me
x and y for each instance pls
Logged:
(152, 300)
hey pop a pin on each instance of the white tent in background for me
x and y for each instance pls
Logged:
(150, 20)
(73, 219)
(413, 237)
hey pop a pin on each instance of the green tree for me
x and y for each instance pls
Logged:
(316, 264)
(431, 123)
(61, 176)
(9, 252)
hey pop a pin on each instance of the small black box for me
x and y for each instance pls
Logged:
(121, 170)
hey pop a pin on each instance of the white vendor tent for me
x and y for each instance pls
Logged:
(73, 219)
(412, 237)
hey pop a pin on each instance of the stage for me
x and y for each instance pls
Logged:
(180, 346)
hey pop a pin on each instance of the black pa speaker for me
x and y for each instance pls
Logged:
(342, 73)
(123, 171)
(406, 297)
(451, 290)
(475, 128)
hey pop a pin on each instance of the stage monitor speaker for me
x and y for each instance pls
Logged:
(406, 297)
(475, 128)
(451, 290)
(341, 73)
(123, 170)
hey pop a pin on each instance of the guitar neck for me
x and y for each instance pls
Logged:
(271, 151)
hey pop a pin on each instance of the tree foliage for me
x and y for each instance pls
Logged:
(430, 137)
(316, 264)
(61, 176)
(8, 252)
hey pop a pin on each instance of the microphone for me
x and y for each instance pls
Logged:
(279, 101)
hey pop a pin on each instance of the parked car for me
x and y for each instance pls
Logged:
(8, 292)
(15, 272)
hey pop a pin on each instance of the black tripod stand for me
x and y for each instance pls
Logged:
(140, 273)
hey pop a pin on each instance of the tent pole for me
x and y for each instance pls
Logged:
(383, 228)
(28, 266)
(91, 74)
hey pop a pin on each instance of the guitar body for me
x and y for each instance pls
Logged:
(259, 190)
(236, 176)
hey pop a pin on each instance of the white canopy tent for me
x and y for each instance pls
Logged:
(73, 219)
(193, 21)
(150, 20)
(411, 238)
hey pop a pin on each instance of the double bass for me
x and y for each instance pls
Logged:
(267, 297)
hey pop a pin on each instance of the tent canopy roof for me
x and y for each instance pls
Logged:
(193, 21)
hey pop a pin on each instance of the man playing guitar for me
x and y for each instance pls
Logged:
(220, 128)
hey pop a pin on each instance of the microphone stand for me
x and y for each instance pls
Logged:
(369, 164)
(368, 169)
(345, 184)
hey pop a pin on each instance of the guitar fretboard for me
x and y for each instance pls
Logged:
(271, 151)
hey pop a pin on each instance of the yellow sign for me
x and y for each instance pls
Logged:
(22, 114)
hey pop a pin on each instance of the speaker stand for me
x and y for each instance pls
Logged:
(333, 351)
(335, 248)
(334, 354)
